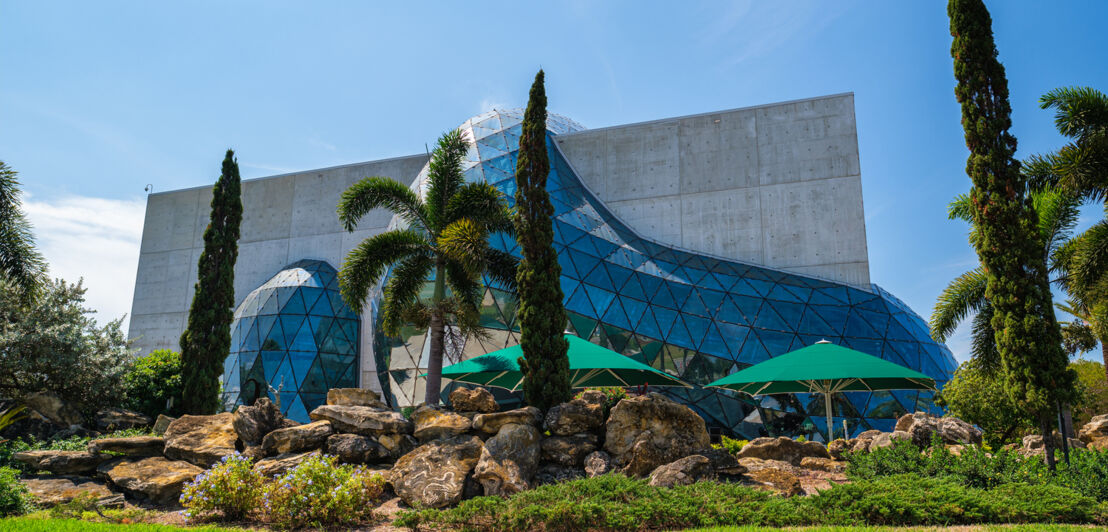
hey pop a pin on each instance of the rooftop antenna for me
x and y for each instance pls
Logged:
(149, 188)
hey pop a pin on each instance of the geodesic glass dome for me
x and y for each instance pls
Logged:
(292, 333)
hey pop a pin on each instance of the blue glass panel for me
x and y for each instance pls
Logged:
(777, 343)
(832, 315)
(714, 344)
(648, 326)
(600, 298)
(748, 306)
(634, 309)
(579, 302)
(769, 319)
(663, 297)
(615, 316)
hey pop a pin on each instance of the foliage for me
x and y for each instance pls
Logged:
(1093, 389)
(731, 445)
(231, 488)
(151, 381)
(207, 337)
(978, 396)
(52, 343)
(445, 239)
(125, 524)
(14, 499)
(10, 415)
(319, 493)
(72, 443)
(20, 264)
(612, 396)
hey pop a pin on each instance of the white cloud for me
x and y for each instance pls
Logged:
(92, 238)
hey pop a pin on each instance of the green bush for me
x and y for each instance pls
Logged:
(731, 445)
(72, 443)
(14, 499)
(320, 493)
(151, 381)
(231, 489)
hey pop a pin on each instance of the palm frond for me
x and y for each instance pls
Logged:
(444, 176)
(482, 203)
(401, 298)
(963, 295)
(961, 208)
(20, 262)
(1077, 110)
(1090, 261)
(381, 192)
(366, 263)
(501, 268)
(983, 349)
(465, 242)
(1058, 214)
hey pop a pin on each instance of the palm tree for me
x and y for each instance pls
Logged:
(445, 241)
(20, 264)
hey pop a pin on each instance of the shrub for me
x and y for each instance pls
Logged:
(320, 493)
(13, 495)
(732, 446)
(230, 488)
(151, 381)
(72, 443)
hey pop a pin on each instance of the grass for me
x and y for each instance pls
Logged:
(31, 524)
(982, 528)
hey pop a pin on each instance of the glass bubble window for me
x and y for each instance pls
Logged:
(694, 316)
(294, 334)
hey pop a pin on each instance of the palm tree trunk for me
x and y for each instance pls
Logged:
(434, 359)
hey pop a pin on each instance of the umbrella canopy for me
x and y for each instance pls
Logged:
(824, 368)
(589, 365)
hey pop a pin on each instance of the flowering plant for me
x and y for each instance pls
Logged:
(231, 488)
(321, 493)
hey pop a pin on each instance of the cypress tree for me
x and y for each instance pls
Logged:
(206, 341)
(542, 317)
(1027, 335)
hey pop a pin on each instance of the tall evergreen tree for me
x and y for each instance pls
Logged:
(207, 339)
(542, 318)
(1028, 338)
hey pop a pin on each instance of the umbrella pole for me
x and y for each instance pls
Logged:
(827, 407)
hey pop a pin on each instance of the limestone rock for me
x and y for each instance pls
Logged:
(201, 440)
(134, 446)
(888, 439)
(111, 419)
(683, 472)
(1033, 444)
(491, 423)
(574, 417)
(52, 491)
(1095, 429)
(776, 480)
(723, 462)
(593, 397)
(784, 449)
(397, 445)
(950, 430)
(356, 449)
(253, 453)
(823, 464)
(568, 451)
(282, 463)
(863, 441)
(758, 464)
(297, 439)
(554, 473)
(838, 448)
(1099, 444)
(473, 400)
(432, 423)
(53, 408)
(597, 463)
(434, 474)
(354, 397)
(252, 423)
(509, 460)
(364, 420)
(162, 423)
(61, 462)
(650, 430)
(153, 478)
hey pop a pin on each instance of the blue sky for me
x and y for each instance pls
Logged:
(99, 99)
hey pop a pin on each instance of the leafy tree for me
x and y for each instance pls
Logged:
(206, 341)
(20, 263)
(542, 317)
(1093, 390)
(975, 395)
(51, 343)
(446, 241)
(1028, 338)
(152, 381)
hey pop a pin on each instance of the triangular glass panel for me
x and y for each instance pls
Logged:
(600, 298)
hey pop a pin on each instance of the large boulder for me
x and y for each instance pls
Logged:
(568, 451)
(784, 449)
(574, 417)
(154, 478)
(823, 464)
(354, 397)
(838, 448)
(282, 463)
(201, 440)
(111, 419)
(650, 430)
(52, 491)
(597, 463)
(725, 464)
(61, 462)
(888, 439)
(432, 423)
(775, 480)
(161, 424)
(922, 426)
(1095, 429)
(1032, 444)
(1099, 444)
(509, 460)
(397, 445)
(688, 470)
(134, 446)
(297, 439)
(863, 441)
(434, 475)
(364, 420)
(356, 449)
(252, 423)
(53, 408)
(473, 400)
(491, 423)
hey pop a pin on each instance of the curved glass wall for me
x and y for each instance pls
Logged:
(294, 334)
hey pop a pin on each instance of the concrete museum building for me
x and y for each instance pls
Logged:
(699, 245)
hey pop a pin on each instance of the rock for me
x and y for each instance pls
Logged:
(53, 408)
(647, 431)
(758, 464)
(1095, 429)
(950, 430)
(297, 439)
(61, 462)
(784, 449)
(282, 463)
(491, 423)
(597, 463)
(364, 420)
(838, 448)
(252, 423)
(776, 480)
(201, 440)
(863, 441)
(397, 445)
(593, 397)
(432, 423)
(154, 478)
(568, 451)
(355, 449)
(434, 474)
(1099, 444)
(473, 400)
(355, 397)
(688, 470)
(52, 491)
(723, 462)
(135, 446)
(111, 419)
(574, 417)
(253, 453)
(509, 460)
(162, 423)
(823, 464)
(554, 473)
(888, 439)
(1033, 444)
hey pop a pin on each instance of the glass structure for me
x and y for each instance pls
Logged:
(295, 334)
(694, 316)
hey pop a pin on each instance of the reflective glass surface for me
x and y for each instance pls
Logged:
(294, 334)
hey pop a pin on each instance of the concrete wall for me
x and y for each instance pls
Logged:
(777, 185)
(285, 218)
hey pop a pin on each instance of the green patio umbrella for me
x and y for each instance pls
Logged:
(589, 365)
(824, 368)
